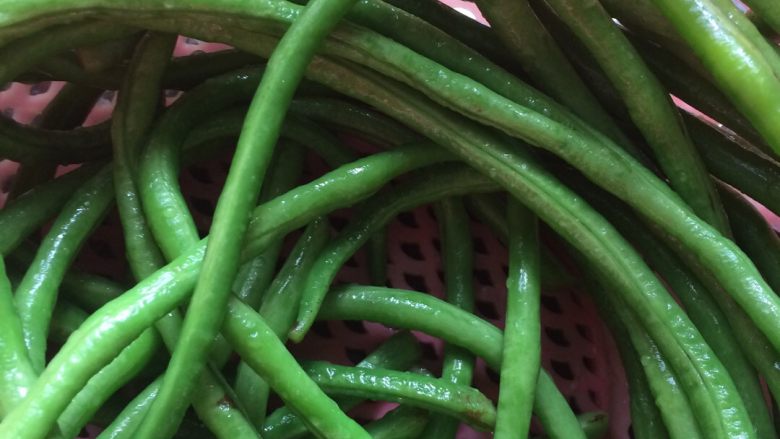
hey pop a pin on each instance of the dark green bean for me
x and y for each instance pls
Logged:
(670, 398)
(426, 187)
(649, 106)
(356, 118)
(36, 294)
(755, 236)
(703, 308)
(66, 111)
(487, 208)
(435, 317)
(767, 10)
(399, 352)
(470, 32)
(400, 423)
(26, 52)
(128, 420)
(458, 261)
(751, 173)
(137, 105)
(698, 91)
(457, 400)
(646, 422)
(539, 55)
(522, 332)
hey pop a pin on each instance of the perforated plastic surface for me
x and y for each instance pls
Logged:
(577, 350)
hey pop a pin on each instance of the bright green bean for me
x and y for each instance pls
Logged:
(429, 186)
(36, 294)
(457, 400)
(399, 352)
(22, 216)
(522, 351)
(278, 309)
(732, 60)
(18, 373)
(261, 348)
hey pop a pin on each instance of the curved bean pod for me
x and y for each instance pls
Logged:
(435, 317)
(457, 400)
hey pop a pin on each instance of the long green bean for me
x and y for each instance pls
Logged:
(522, 331)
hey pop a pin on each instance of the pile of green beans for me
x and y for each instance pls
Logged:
(555, 126)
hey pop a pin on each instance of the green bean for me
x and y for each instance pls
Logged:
(648, 104)
(87, 291)
(28, 51)
(522, 333)
(25, 144)
(132, 415)
(487, 209)
(732, 60)
(278, 310)
(704, 311)
(117, 323)
(400, 423)
(36, 294)
(389, 94)
(755, 236)
(470, 32)
(97, 390)
(698, 91)
(24, 215)
(768, 11)
(137, 105)
(18, 373)
(400, 351)
(139, 98)
(435, 317)
(749, 32)
(539, 55)
(670, 397)
(66, 111)
(751, 173)
(285, 70)
(186, 72)
(646, 422)
(457, 258)
(356, 118)
(595, 424)
(255, 276)
(429, 186)
(457, 400)
(261, 348)
(494, 166)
